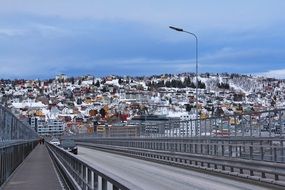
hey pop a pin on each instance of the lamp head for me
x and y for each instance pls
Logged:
(175, 28)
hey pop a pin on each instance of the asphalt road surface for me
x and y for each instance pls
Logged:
(148, 175)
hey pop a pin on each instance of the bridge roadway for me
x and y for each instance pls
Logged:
(149, 175)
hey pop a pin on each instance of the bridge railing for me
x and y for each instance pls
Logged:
(269, 123)
(263, 149)
(81, 175)
(260, 171)
(11, 128)
(17, 140)
(12, 155)
(254, 136)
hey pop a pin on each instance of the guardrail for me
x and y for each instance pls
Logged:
(260, 171)
(17, 140)
(270, 123)
(11, 156)
(11, 128)
(81, 175)
(271, 149)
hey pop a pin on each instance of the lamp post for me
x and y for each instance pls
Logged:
(196, 38)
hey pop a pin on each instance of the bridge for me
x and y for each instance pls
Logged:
(230, 152)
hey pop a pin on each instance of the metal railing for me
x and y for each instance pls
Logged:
(270, 123)
(81, 175)
(263, 149)
(259, 171)
(253, 136)
(254, 124)
(11, 128)
(11, 156)
(17, 140)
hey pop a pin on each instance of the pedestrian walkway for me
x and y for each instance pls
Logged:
(36, 172)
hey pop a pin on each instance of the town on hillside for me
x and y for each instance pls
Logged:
(120, 106)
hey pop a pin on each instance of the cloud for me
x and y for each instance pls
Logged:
(278, 73)
(128, 37)
(195, 15)
(12, 32)
(46, 30)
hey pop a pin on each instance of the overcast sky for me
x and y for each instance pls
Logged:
(40, 39)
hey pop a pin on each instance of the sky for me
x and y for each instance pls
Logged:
(41, 39)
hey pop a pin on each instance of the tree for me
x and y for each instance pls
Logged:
(160, 84)
(188, 107)
(187, 82)
(102, 112)
(103, 81)
(223, 85)
(207, 75)
(79, 82)
(168, 84)
(120, 81)
(72, 80)
(104, 89)
(201, 84)
(79, 101)
(97, 83)
(192, 85)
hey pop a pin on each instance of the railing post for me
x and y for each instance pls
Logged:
(205, 123)
(271, 150)
(251, 173)
(263, 175)
(269, 125)
(223, 149)
(261, 151)
(210, 127)
(242, 125)
(280, 124)
(115, 188)
(276, 176)
(235, 120)
(89, 178)
(282, 150)
(250, 125)
(215, 149)
(208, 149)
(259, 126)
(200, 128)
(84, 179)
(251, 151)
(104, 184)
(95, 181)
(275, 154)
(191, 129)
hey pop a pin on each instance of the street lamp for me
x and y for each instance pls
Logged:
(181, 30)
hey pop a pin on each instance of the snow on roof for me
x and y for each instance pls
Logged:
(18, 93)
(155, 99)
(87, 82)
(28, 104)
(60, 104)
(177, 114)
(113, 82)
